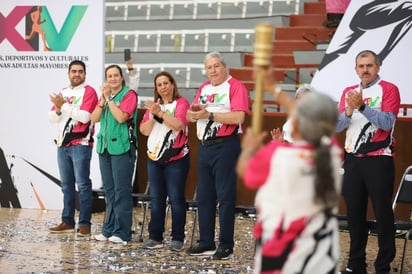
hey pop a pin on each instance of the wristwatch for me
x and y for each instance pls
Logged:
(362, 107)
(110, 98)
(211, 116)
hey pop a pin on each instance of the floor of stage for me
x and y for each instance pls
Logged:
(27, 247)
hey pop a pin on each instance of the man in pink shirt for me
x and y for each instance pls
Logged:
(219, 109)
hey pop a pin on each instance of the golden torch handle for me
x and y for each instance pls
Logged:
(262, 57)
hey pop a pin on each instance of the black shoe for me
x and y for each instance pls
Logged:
(332, 24)
(201, 250)
(223, 254)
(351, 271)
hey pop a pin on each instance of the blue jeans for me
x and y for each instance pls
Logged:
(168, 179)
(117, 174)
(74, 167)
(216, 180)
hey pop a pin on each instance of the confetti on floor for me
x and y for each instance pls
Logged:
(27, 247)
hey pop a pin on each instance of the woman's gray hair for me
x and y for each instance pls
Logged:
(215, 54)
(316, 115)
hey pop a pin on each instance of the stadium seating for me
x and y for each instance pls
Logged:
(197, 9)
(181, 32)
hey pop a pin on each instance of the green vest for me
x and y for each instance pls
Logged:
(113, 136)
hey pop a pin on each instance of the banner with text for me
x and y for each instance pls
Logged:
(38, 40)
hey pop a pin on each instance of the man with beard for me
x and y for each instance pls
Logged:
(71, 110)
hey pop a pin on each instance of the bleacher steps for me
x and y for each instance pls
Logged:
(307, 20)
(288, 46)
(314, 8)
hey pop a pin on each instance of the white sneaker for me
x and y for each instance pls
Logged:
(116, 240)
(99, 238)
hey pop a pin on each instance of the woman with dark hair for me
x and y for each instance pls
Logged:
(116, 146)
(164, 122)
(298, 186)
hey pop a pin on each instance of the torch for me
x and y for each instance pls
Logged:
(262, 57)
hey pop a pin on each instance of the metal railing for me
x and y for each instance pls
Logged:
(192, 8)
(183, 72)
(118, 40)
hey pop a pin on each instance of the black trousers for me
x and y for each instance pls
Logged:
(371, 177)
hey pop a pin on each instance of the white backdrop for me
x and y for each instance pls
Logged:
(379, 22)
(74, 30)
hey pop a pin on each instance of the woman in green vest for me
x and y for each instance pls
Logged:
(116, 146)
